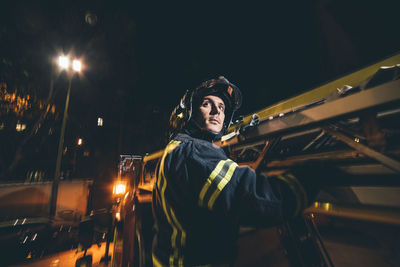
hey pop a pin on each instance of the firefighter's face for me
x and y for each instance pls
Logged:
(212, 114)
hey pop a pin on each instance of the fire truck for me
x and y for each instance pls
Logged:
(352, 125)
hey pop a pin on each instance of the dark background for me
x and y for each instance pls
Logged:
(140, 56)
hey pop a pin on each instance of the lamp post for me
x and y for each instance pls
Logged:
(64, 64)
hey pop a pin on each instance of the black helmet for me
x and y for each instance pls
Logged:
(220, 87)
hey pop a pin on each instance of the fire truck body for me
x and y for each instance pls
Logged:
(351, 126)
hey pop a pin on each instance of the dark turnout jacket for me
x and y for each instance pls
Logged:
(200, 199)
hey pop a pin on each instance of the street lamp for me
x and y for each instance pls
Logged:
(63, 63)
(76, 65)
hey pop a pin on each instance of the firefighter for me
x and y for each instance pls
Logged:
(201, 197)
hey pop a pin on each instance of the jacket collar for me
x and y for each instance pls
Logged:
(193, 130)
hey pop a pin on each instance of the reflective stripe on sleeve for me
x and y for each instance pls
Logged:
(216, 182)
(210, 179)
(156, 262)
(222, 184)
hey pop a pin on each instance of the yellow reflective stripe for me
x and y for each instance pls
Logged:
(174, 230)
(212, 176)
(222, 184)
(164, 205)
(156, 262)
(168, 149)
(171, 260)
(183, 238)
(180, 262)
(171, 146)
(173, 237)
(174, 241)
(163, 191)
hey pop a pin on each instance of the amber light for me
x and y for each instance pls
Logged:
(119, 188)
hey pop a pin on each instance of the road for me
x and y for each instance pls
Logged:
(68, 258)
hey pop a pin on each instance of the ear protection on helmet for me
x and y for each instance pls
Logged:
(229, 92)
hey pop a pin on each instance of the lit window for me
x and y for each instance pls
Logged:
(80, 141)
(99, 121)
(20, 127)
(2, 126)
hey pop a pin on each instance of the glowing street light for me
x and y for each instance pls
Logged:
(63, 62)
(76, 65)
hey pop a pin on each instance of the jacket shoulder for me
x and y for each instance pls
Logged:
(199, 147)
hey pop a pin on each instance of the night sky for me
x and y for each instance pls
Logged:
(140, 56)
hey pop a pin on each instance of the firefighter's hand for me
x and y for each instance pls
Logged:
(291, 192)
(314, 177)
(299, 187)
(254, 122)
